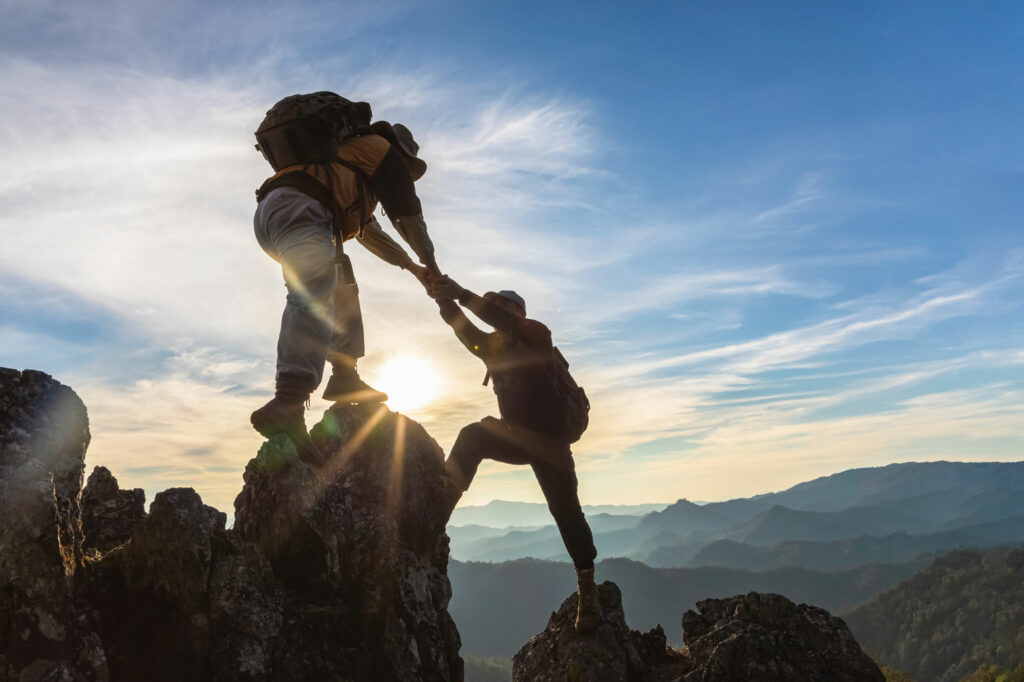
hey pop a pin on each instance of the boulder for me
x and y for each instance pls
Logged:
(762, 637)
(767, 637)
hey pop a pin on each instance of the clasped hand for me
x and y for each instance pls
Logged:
(438, 286)
(444, 287)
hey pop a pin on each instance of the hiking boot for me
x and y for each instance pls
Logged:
(287, 417)
(345, 386)
(588, 606)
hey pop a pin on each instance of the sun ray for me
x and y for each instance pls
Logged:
(353, 444)
(397, 466)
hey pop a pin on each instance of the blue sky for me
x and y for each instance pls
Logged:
(776, 240)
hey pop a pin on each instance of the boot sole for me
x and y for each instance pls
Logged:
(369, 396)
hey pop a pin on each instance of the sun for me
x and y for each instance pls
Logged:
(409, 383)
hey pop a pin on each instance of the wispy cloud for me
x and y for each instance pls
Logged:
(808, 191)
(729, 339)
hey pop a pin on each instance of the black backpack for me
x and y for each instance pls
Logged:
(573, 397)
(574, 401)
(308, 128)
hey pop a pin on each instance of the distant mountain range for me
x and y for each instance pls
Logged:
(499, 606)
(503, 514)
(923, 500)
(833, 542)
(842, 554)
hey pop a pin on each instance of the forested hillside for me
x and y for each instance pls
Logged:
(964, 611)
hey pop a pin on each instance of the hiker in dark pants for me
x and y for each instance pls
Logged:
(532, 428)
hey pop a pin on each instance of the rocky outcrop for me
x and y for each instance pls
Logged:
(337, 573)
(767, 637)
(613, 653)
(763, 637)
(44, 431)
(359, 549)
(109, 513)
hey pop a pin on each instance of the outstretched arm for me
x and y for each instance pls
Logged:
(392, 184)
(377, 242)
(526, 329)
(474, 339)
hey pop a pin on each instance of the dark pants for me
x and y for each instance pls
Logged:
(552, 463)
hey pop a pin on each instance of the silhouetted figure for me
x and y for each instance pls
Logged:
(332, 167)
(533, 428)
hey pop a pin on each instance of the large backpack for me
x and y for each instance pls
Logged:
(573, 397)
(303, 129)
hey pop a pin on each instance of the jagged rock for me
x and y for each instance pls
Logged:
(337, 573)
(152, 594)
(108, 513)
(769, 638)
(359, 547)
(762, 637)
(44, 431)
(613, 653)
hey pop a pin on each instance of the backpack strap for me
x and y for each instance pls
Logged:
(360, 192)
(307, 184)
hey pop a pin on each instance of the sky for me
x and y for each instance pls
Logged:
(774, 240)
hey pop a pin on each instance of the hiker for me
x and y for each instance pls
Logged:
(332, 166)
(542, 412)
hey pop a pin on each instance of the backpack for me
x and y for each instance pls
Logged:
(574, 398)
(303, 129)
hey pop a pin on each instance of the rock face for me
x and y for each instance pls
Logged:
(109, 513)
(337, 573)
(333, 574)
(762, 637)
(359, 550)
(769, 638)
(44, 432)
(612, 653)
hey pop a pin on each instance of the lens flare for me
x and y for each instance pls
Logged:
(409, 383)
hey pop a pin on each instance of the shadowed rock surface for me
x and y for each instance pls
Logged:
(338, 573)
(612, 653)
(763, 637)
(335, 574)
(767, 637)
(44, 432)
(108, 513)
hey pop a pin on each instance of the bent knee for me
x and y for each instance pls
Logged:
(473, 433)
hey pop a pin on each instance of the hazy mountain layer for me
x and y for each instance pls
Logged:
(501, 513)
(910, 498)
(842, 554)
(499, 606)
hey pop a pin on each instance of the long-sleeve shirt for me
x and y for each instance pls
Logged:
(386, 179)
(517, 356)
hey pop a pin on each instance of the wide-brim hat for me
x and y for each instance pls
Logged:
(400, 136)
